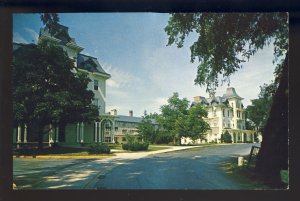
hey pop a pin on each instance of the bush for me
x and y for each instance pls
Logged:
(98, 148)
(136, 146)
(125, 146)
(226, 137)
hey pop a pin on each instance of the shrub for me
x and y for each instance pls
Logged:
(98, 148)
(136, 146)
(226, 137)
(125, 146)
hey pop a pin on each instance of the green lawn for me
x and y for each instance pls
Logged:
(157, 147)
(70, 151)
(55, 151)
(245, 174)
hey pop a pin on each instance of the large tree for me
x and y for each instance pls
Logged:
(172, 115)
(46, 91)
(194, 125)
(147, 128)
(225, 41)
(181, 120)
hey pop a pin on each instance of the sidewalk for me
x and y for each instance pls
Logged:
(141, 154)
(116, 154)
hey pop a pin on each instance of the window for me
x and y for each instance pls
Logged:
(223, 113)
(96, 85)
(96, 102)
(228, 113)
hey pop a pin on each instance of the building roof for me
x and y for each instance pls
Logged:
(125, 118)
(62, 34)
(129, 119)
(230, 93)
(218, 100)
(90, 64)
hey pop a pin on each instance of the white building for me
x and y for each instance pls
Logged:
(83, 63)
(224, 113)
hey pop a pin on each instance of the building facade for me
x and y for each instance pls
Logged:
(224, 113)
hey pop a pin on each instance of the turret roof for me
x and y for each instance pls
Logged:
(90, 64)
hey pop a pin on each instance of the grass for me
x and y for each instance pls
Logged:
(246, 174)
(71, 151)
(55, 151)
(157, 147)
(152, 147)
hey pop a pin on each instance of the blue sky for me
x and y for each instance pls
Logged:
(145, 72)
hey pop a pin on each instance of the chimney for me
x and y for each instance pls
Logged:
(114, 112)
(130, 113)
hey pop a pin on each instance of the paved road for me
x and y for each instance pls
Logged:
(189, 169)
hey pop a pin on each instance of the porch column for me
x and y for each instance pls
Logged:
(113, 132)
(96, 131)
(82, 132)
(252, 137)
(99, 133)
(242, 134)
(25, 133)
(232, 139)
(77, 132)
(56, 133)
(19, 134)
(50, 135)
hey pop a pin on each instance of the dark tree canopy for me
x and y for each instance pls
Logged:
(147, 128)
(258, 111)
(226, 40)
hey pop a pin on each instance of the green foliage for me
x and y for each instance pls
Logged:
(98, 148)
(226, 137)
(133, 144)
(130, 138)
(50, 20)
(258, 112)
(172, 115)
(163, 137)
(194, 125)
(147, 128)
(136, 146)
(226, 40)
(179, 120)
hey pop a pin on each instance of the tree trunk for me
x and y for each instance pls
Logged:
(273, 155)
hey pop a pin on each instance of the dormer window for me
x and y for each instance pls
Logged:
(96, 85)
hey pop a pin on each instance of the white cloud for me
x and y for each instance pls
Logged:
(112, 83)
(161, 100)
(17, 38)
(33, 34)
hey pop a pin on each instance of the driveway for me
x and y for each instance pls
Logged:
(185, 169)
